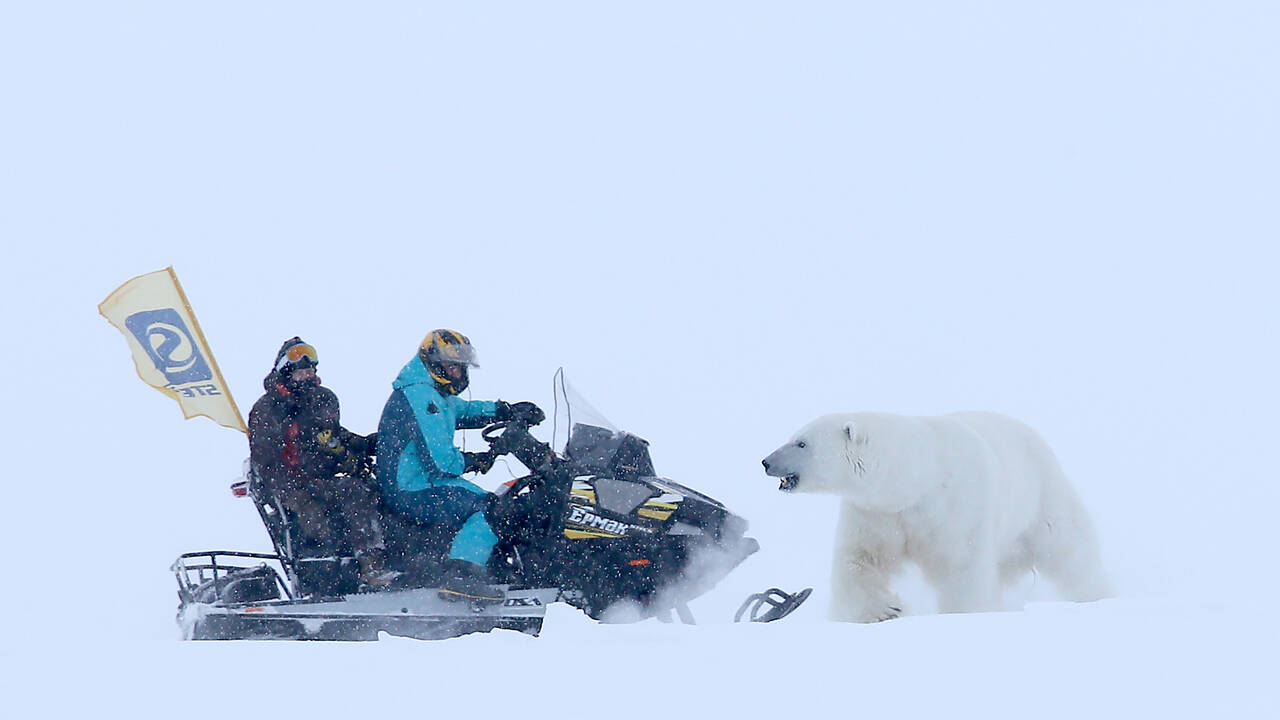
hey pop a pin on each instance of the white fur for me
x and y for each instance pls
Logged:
(977, 500)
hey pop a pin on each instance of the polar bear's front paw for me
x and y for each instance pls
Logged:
(869, 616)
(887, 608)
(888, 612)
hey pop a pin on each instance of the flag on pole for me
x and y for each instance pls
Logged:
(169, 349)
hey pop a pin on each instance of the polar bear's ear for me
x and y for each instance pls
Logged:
(853, 435)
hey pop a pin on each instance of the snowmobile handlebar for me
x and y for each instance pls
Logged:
(512, 437)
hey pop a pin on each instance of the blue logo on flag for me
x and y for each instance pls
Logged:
(170, 344)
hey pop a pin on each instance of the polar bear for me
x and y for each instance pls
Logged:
(975, 499)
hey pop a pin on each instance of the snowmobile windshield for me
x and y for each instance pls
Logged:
(572, 409)
(590, 441)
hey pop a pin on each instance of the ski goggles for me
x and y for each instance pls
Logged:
(296, 354)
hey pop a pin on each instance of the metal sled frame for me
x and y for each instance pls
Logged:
(211, 610)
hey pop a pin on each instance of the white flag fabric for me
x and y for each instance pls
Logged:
(168, 348)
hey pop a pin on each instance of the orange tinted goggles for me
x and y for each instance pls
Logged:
(296, 353)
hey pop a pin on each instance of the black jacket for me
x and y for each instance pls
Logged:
(295, 435)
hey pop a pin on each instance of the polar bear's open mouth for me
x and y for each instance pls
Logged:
(788, 483)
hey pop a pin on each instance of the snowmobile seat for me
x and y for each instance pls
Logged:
(316, 566)
(414, 549)
(328, 566)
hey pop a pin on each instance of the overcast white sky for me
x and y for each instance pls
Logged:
(722, 218)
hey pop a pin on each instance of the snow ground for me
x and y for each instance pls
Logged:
(723, 219)
(1149, 657)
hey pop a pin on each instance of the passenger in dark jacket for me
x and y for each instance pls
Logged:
(314, 466)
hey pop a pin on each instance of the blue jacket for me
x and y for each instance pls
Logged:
(415, 435)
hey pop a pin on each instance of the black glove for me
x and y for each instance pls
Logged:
(525, 412)
(477, 462)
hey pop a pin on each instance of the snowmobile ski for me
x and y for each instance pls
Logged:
(779, 602)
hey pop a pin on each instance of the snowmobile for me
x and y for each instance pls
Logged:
(593, 526)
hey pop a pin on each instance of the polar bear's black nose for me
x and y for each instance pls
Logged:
(765, 463)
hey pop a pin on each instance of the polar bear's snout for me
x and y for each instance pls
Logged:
(777, 465)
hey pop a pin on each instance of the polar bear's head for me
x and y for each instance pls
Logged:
(859, 456)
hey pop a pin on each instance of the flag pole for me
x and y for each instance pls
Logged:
(213, 364)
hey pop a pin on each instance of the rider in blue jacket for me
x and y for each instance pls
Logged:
(419, 468)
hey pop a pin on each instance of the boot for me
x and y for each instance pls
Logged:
(373, 573)
(465, 581)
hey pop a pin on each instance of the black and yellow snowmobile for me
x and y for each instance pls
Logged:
(593, 526)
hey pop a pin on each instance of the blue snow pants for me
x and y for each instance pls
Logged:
(459, 507)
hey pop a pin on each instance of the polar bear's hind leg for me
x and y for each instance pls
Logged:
(1065, 549)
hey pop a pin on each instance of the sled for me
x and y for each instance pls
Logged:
(225, 596)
